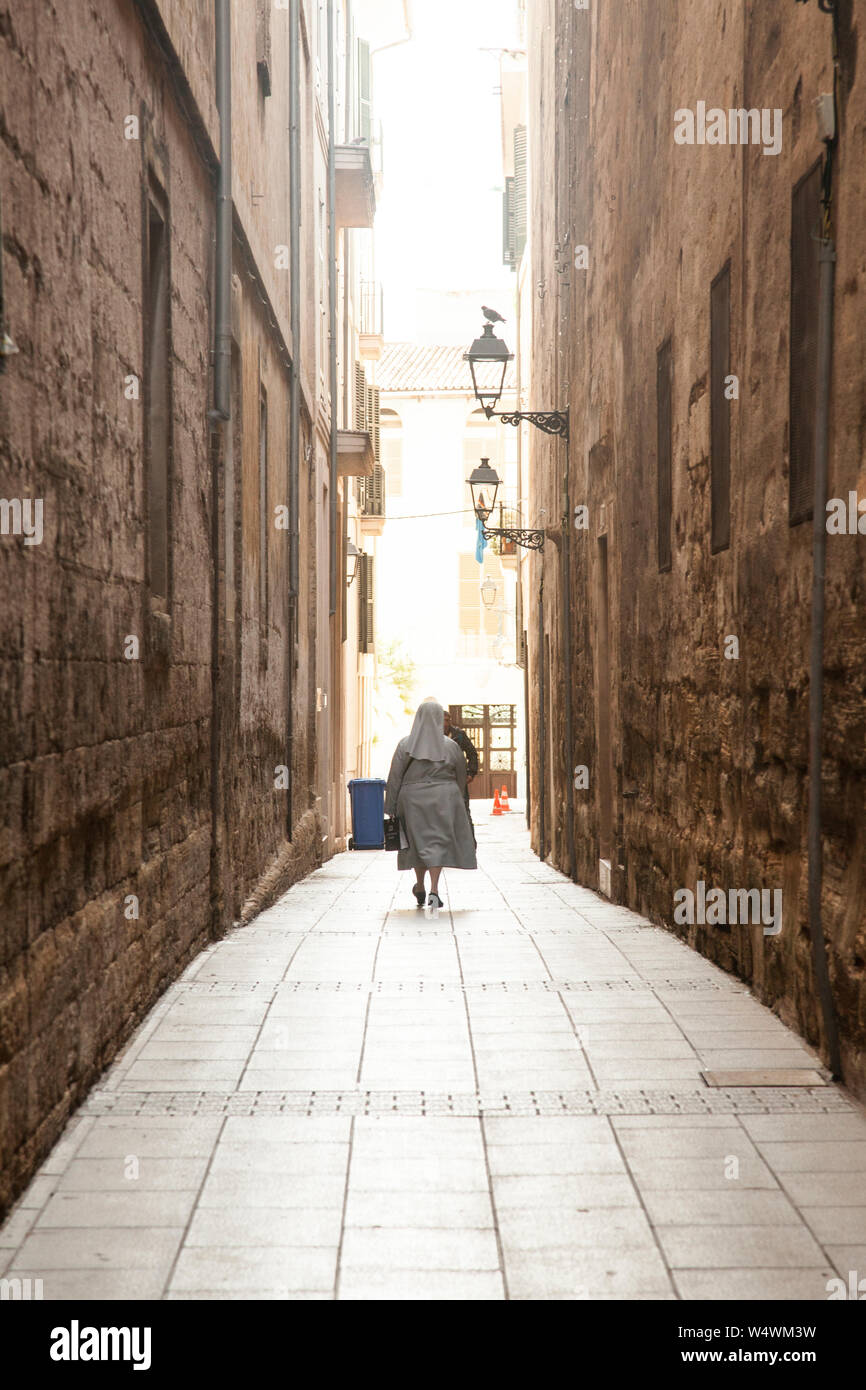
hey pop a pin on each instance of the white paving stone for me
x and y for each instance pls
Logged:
(346, 1100)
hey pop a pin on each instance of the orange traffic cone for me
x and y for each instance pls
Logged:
(503, 800)
(497, 809)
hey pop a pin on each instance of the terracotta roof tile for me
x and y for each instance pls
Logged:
(408, 367)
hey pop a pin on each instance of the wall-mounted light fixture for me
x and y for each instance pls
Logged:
(492, 353)
(353, 555)
(484, 484)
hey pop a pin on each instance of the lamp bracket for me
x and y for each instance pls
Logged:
(529, 540)
(550, 421)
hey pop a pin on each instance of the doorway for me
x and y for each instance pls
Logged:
(605, 786)
(493, 730)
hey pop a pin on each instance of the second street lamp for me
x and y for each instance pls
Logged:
(484, 484)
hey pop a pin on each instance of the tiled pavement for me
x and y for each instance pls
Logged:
(346, 1100)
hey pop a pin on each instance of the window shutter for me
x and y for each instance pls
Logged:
(365, 92)
(263, 44)
(366, 594)
(374, 421)
(519, 194)
(720, 411)
(663, 456)
(805, 270)
(360, 398)
(508, 224)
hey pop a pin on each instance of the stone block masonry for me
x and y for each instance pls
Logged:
(121, 702)
(690, 598)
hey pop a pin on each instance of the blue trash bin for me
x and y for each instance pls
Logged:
(368, 813)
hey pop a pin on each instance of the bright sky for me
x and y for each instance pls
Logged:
(439, 220)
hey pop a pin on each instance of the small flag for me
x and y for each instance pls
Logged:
(480, 541)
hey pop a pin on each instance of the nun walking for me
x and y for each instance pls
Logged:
(425, 792)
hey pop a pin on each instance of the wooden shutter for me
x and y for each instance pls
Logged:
(375, 492)
(720, 411)
(803, 383)
(519, 193)
(663, 455)
(374, 421)
(366, 594)
(360, 398)
(508, 224)
(263, 44)
(365, 92)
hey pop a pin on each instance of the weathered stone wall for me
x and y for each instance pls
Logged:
(154, 776)
(710, 773)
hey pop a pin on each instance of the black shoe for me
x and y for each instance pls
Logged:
(434, 902)
(420, 893)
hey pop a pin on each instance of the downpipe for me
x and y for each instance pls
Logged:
(295, 398)
(827, 262)
(223, 289)
(567, 650)
(332, 312)
(220, 418)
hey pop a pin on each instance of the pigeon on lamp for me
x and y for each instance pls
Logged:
(491, 315)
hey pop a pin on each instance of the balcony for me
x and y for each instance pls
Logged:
(356, 456)
(356, 188)
(371, 333)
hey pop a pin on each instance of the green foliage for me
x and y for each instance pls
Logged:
(396, 665)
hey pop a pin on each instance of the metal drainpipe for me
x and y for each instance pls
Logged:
(566, 632)
(220, 415)
(295, 309)
(223, 295)
(827, 260)
(295, 401)
(332, 309)
(542, 728)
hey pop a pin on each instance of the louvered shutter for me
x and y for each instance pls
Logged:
(508, 223)
(365, 92)
(518, 241)
(366, 632)
(374, 421)
(360, 397)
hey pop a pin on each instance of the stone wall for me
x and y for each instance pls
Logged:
(140, 816)
(709, 755)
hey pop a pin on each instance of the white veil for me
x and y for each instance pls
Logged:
(427, 739)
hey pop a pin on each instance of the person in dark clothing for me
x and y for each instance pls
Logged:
(470, 753)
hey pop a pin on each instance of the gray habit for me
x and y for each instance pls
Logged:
(431, 809)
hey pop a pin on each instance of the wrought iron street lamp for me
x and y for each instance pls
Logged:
(484, 485)
(353, 555)
(491, 352)
(484, 477)
(489, 590)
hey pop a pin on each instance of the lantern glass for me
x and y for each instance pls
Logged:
(484, 485)
(488, 360)
(489, 590)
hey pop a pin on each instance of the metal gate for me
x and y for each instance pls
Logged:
(493, 730)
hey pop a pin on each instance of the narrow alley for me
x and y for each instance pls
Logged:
(347, 1100)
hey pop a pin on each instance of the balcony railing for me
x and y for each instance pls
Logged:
(371, 308)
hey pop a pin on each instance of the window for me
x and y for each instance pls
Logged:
(392, 451)
(663, 455)
(365, 93)
(366, 606)
(264, 521)
(263, 44)
(157, 393)
(803, 386)
(720, 411)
